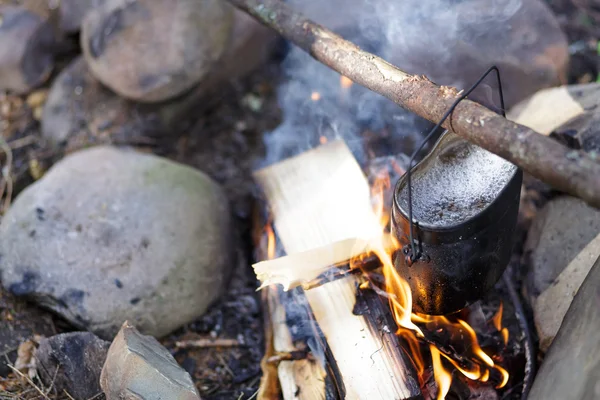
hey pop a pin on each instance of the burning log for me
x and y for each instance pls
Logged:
(573, 172)
(283, 372)
(318, 198)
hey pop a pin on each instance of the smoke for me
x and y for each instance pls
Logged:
(450, 41)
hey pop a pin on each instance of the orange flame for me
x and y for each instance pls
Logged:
(497, 318)
(270, 242)
(443, 378)
(322, 140)
(399, 295)
(400, 299)
(315, 96)
(505, 335)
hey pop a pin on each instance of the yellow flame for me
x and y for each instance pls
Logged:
(473, 374)
(443, 378)
(504, 377)
(475, 343)
(315, 96)
(485, 376)
(270, 242)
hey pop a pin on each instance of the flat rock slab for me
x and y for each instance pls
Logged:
(139, 367)
(571, 369)
(551, 306)
(109, 235)
(559, 232)
(72, 362)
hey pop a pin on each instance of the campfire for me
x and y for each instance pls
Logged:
(432, 348)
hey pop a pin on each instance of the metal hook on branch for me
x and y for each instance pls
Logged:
(411, 253)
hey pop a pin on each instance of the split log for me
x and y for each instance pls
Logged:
(570, 171)
(317, 198)
(301, 379)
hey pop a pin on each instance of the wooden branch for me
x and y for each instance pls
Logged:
(317, 198)
(570, 171)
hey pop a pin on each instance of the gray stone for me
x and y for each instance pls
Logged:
(139, 367)
(550, 307)
(571, 369)
(72, 362)
(26, 41)
(152, 51)
(558, 233)
(108, 235)
(72, 12)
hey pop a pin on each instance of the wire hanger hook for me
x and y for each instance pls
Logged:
(414, 252)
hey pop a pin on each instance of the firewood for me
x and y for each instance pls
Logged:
(573, 172)
(294, 379)
(26, 42)
(305, 268)
(318, 198)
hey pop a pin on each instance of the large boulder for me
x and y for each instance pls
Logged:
(108, 235)
(149, 50)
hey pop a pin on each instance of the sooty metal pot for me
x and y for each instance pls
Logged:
(465, 203)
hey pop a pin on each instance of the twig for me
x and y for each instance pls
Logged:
(573, 172)
(224, 364)
(40, 391)
(290, 356)
(204, 343)
(68, 395)
(22, 142)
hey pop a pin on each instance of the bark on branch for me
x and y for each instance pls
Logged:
(571, 171)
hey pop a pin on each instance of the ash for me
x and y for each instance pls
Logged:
(458, 181)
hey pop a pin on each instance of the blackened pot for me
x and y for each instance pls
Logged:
(461, 260)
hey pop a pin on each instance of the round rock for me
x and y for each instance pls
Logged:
(149, 50)
(109, 235)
